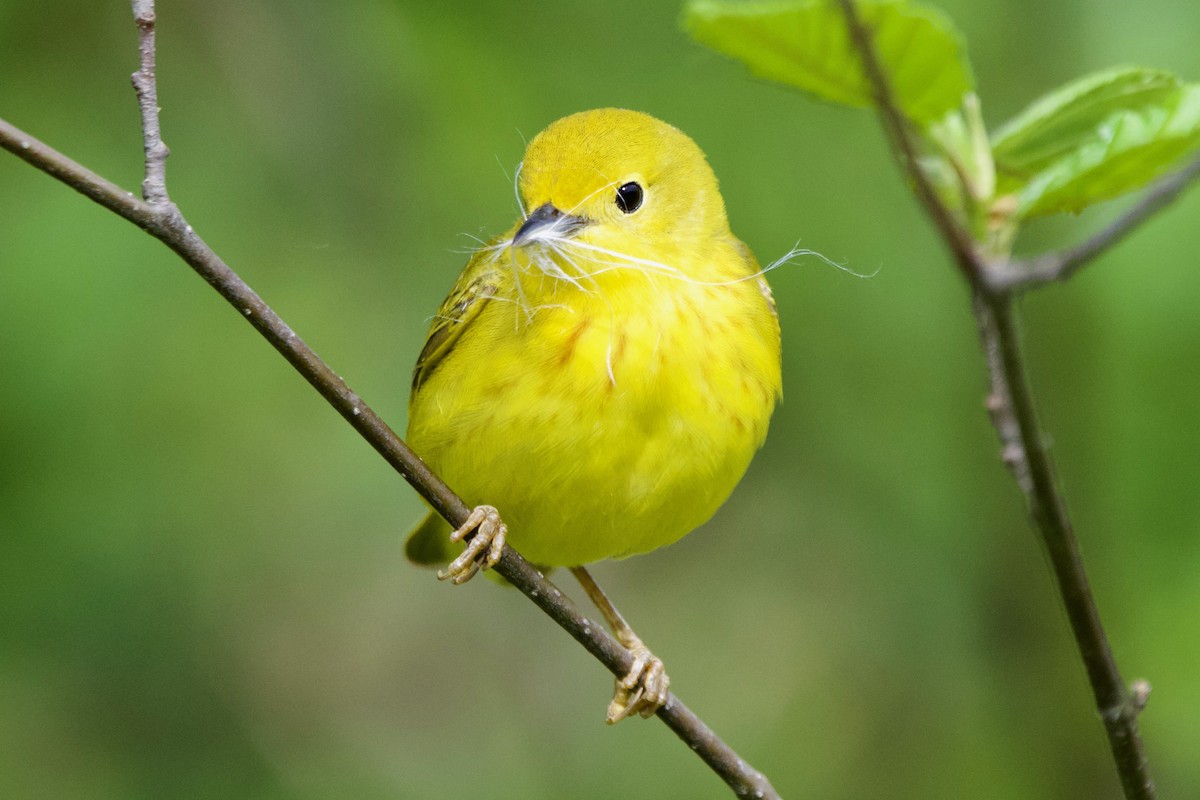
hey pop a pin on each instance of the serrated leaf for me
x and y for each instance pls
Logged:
(805, 44)
(1125, 151)
(1068, 117)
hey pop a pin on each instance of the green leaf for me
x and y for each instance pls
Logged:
(1126, 150)
(1068, 118)
(805, 44)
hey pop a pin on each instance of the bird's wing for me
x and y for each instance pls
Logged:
(475, 286)
(765, 288)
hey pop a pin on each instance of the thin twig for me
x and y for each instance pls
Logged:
(907, 151)
(1010, 404)
(163, 220)
(999, 401)
(145, 83)
(1046, 507)
(1025, 274)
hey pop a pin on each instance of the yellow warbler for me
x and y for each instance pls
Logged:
(603, 372)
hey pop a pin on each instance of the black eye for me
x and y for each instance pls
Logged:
(629, 197)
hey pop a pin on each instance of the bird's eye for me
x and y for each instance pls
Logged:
(629, 197)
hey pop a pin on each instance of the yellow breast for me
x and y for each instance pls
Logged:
(607, 423)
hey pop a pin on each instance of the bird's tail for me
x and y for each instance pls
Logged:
(428, 543)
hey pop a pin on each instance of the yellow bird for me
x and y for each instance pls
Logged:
(604, 371)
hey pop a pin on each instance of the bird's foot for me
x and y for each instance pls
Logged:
(643, 690)
(484, 549)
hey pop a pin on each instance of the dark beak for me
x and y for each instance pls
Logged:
(543, 220)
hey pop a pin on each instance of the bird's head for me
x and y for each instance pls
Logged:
(610, 189)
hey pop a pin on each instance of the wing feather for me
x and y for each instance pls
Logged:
(477, 284)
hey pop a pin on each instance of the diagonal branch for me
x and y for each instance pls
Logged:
(1059, 266)
(1012, 410)
(163, 220)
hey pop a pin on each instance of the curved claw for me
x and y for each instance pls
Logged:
(484, 549)
(643, 690)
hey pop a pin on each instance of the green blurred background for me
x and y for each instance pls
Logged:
(202, 587)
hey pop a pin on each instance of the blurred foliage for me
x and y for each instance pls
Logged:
(1094, 139)
(202, 588)
(806, 44)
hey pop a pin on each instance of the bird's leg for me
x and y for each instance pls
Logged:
(484, 549)
(643, 690)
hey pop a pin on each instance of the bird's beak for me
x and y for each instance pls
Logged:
(545, 222)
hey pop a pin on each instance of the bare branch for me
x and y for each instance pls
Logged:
(1025, 274)
(999, 400)
(145, 83)
(163, 220)
(1010, 405)
(1048, 511)
(78, 177)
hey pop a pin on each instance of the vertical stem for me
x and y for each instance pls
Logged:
(1033, 468)
(145, 83)
(1010, 404)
